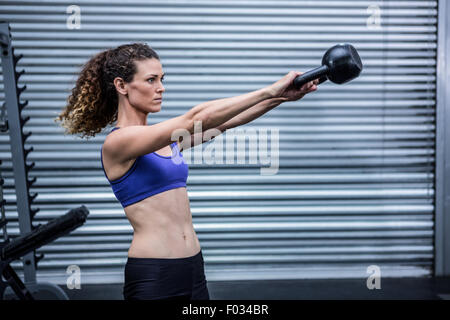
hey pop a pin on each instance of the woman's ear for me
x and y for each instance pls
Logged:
(121, 86)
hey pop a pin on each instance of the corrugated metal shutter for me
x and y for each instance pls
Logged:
(356, 180)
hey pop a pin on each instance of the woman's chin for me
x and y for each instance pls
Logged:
(155, 108)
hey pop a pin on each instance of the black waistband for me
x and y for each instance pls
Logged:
(165, 260)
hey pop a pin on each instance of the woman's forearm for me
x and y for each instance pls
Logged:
(252, 113)
(216, 112)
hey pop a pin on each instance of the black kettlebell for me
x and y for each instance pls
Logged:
(340, 64)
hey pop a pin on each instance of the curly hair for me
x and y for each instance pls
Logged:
(93, 103)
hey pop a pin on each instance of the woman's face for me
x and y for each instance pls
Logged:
(146, 89)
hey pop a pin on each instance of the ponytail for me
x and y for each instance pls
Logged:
(93, 103)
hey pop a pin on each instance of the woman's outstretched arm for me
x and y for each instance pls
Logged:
(290, 93)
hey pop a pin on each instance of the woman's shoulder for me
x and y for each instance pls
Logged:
(111, 149)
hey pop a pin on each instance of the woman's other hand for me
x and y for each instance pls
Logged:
(284, 88)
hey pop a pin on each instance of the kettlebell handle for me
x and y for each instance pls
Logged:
(317, 73)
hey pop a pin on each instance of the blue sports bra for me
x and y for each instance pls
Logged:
(149, 175)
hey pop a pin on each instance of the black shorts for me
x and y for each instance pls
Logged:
(165, 278)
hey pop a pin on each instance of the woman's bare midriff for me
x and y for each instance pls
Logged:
(162, 223)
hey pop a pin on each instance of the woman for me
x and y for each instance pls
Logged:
(124, 85)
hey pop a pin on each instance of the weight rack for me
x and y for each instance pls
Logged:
(14, 124)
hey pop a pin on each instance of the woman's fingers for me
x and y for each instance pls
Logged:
(307, 86)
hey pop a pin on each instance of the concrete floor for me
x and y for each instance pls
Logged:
(391, 289)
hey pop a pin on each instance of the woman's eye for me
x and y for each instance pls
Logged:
(153, 79)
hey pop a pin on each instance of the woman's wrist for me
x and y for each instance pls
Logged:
(269, 92)
(278, 100)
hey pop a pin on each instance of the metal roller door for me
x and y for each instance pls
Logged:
(355, 185)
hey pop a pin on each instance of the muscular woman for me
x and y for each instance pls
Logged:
(122, 86)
